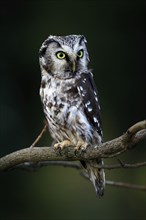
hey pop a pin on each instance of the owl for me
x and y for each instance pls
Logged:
(70, 100)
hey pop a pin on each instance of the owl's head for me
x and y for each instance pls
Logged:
(64, 56)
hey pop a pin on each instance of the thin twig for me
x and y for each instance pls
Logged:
(39, 136)
(72, 164)
(28, 166)
(33, 167)
(122, 165)
(126, 185)
(118, 184)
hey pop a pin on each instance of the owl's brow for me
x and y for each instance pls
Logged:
(45, 45)
(81, 39)
(48, 41)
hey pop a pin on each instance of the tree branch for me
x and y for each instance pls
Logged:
(112, 148)
(29, 166)
(72, 164)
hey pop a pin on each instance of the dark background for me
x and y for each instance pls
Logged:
(116, 34)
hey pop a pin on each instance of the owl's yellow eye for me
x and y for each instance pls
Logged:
(80, 53)
(60, 55)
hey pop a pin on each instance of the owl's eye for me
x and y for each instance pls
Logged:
(80, 53)
(61, 55)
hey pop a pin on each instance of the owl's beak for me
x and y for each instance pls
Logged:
(73, 66)
(73, 63)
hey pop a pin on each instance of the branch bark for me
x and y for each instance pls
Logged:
(112, 148)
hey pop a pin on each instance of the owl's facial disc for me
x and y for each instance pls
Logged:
(62, 58)
(70, 59)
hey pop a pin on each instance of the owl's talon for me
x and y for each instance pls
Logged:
(61, 145)
(81, 147)
(57, 147)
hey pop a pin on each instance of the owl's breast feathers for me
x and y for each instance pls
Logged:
(71, 108)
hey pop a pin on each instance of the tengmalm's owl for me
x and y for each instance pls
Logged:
(70, 99)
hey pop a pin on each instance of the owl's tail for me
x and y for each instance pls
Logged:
(96, 175)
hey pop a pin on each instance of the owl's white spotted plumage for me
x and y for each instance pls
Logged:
(70, 99)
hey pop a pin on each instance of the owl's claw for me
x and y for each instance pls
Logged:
(62, 145)
(81, 147)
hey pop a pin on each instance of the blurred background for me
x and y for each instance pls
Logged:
(116, 35)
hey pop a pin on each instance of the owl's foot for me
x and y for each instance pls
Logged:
(61, 145)
(81, 147)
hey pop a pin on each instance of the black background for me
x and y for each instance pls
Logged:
(116, 35)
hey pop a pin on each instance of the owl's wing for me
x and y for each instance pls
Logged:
(88, 92)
